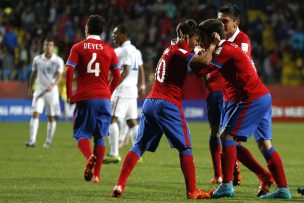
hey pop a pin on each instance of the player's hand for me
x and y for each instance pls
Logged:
(50, 87)
(198, 50)
(215, 38)
(30, 93)
(142, 93)
(69, 100)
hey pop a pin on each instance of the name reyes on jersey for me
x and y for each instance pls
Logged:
(92, 46)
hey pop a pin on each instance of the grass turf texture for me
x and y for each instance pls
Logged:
(56, 174)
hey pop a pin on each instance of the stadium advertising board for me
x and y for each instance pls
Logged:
(194, 110)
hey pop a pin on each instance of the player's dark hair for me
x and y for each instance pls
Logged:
(123, 29)
(49, 39)
(231, 10)
(208, 27)
(187, 27)
(95, 24)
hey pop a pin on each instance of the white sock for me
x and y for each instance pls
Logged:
(133, 133)
(113, 139)
(51, 127)
(34, 124)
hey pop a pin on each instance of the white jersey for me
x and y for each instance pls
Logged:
(47, 70)
(127, 55)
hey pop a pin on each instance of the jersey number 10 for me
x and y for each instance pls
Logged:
(96, 69)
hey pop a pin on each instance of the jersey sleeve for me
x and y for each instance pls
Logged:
(126, 58)
(73, 57)
(114, 63)
(221, 56)
(140, 60)
(185, 55)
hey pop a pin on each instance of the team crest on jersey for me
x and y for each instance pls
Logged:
(182, 50)
(218, 50)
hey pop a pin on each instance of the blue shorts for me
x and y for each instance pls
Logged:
(92, 118)
(214, 106)
(160, 117)
(242, 119)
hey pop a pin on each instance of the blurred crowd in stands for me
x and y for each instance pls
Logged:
(275, 28)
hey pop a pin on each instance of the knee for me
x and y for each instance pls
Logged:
(131, 123)
(185, 152)
(264, 145)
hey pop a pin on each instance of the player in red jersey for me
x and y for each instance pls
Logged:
(229, 15)
(246, 110)
(92, 59)
(162, 110)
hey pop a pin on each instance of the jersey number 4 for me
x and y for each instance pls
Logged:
(96, 69)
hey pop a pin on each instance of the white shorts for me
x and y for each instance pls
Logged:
(124, 107)
(50, 100)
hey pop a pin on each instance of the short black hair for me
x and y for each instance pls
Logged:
(123, 29)
(95, 24)
(231, 10)
(208, 27)
(49, 38)
(187, 27)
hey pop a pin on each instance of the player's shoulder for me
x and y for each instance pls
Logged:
(242, 37)
(38, 57)
(57, 58)
(226, 47)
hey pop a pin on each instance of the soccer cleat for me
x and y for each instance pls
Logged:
(198, 194)
(265, 184)
(46, 145)
(95, 179)
(140, 160)
(237, 178)
(88, 171)
(117, 191)
(111, 159)
(217, 180)
(280, 193)
(224, 190)
(29, 144)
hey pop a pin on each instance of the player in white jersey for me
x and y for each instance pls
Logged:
(124, 98)
(47, 68)
(124, 130)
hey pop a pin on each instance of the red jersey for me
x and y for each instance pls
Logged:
(214, 80)
(171, 73)
(92, 58)
(239, 73)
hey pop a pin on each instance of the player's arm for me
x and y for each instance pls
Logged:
(115, 79)
(142, 81)
(69, 82)
(205, 58)
(58, 75)
(58, 78)
(31, 82)
(124, 73)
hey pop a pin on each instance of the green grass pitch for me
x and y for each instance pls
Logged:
(56, 174)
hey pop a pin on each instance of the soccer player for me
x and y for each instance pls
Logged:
(246, 110)
(124, 98)
(123, 127)
(162, 110)
(47, 68)
(92, 59)
(230, 16)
